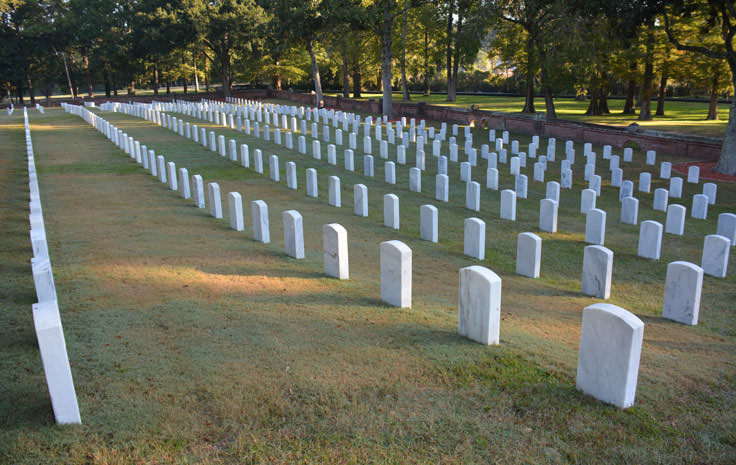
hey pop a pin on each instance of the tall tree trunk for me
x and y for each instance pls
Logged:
(629, 108)
(356, 80)
(727, 162)
(196, 74)
(386, 59)
(645, 99)
(168, 87)
(155, 77)
(19, 85)
(604, 100)
(345, 71)
(277, 74)
(68, 78)
(594, 108)
(662, 89)
(106, 77)
(426, 62)
(451, 85)
(114, 84)
(530, 68)
(186, 84)
(549, 102)
(315, 73)
(87, 73)
(404, 87)
(713, 105)
(227, 82)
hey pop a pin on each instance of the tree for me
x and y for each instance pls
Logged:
(467, 23)
(718, 18)
(226, 27)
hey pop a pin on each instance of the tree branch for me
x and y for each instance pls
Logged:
(690, 48)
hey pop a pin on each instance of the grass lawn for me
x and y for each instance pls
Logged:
(681, 117)
(192, 343)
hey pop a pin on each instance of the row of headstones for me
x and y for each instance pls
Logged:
(46, 316)
(650, 234)
(617, 350)
(699, 201)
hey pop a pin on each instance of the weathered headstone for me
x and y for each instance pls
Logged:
(682, 291)
(312, 190)
(675, 222)
(291, 180)
(360, 199)
(335, 244)
(184, 188)
(597, 271)
(198, 191)
(215, 201)
(716, 250)
(261, 227)
(548, 215)
(595, 227)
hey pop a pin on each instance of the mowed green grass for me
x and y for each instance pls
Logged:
(679, 117)
(192, 343)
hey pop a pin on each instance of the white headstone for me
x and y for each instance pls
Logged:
(693, 174)
(184, 188)
(479, 305)
(665, 170)
(396, 273)
(293, 233)
(334, 194)
(675, 187)
(508, 205)
(528, 255)
(198, 191)
(428, 219)
(709, 190)
(700, 206)
(312, 190)
(650, 239)
(360, 199)
(235, 207)
(727, 226)
(215, 201)
(261, 228)
(273, 168)
(548, 215)
(587, 200)
(415, 180)
(610, 349)
(595, 227)
(716, 250)
(682, 291)
(475, 238)
(391, 211)
(335, 244)
(675, 222)
(472, 196)
(291, 181)
(597, 271)
(630, 210)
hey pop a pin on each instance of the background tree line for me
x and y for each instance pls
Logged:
(593, 49)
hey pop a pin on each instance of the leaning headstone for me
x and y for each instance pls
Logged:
(51, 343)
(650, 239)
(261, 228)
(548, 215)
(213, 190)
(235, 208)
(682, 291)
(475, 238)
(727, 227)
(597, 271)
(391, 211)
(675, 222)
(396, 271)
(293, 233)
(360, 200)
(610, 349)
(508, 205)
(595, 227)
(528, 255)
(428, 219)
(335, 244)
(716, 250)
(479, 305)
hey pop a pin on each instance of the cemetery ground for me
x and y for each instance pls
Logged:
(192, 343)
(680, 117)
